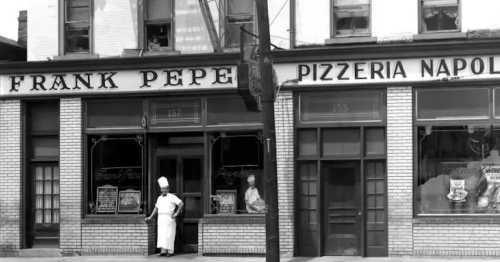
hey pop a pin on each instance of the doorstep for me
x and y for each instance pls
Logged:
(39, 252)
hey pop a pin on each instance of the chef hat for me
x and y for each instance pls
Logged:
(251, 178)
(163, 182)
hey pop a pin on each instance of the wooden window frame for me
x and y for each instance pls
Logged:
(223, 23)
(421, 26)
(62, 29)
(143, 22)
(333, 28)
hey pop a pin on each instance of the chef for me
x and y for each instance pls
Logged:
(165, 206)
(252, 196)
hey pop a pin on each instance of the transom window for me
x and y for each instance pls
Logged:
(439, 15)
(238, 13)
(159, 25)
(350, 18)
(77, 26)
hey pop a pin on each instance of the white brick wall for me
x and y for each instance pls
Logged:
(115, 239)
(233, 239)
(10, 176)
(400, 170)
(70, 162)
(285, 167)
(43, 29)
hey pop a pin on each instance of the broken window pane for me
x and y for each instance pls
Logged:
(239, 13)
(158, 36)
(439, 15)
(352, 18)
(159, 9)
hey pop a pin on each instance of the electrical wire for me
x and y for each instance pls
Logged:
(279, 12)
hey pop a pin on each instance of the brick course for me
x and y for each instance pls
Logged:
(70, 162)
(115, 239)
(11, 177)
(400, 170)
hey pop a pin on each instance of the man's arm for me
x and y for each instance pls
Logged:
(152, 214)
(179, 209)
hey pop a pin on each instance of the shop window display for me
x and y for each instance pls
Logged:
(237, 182)
(115, 183)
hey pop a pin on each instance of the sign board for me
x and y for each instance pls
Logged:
(492, 173)
(107, 199)
(129, 201)
(127, 81)
(176, 112)
(227, 201)
(389, 70)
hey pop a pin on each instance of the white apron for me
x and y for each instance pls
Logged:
(166, 224)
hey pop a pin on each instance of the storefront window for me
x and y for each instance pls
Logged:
(116, 179)
(458, 164)
(228, 110)
(237, 182)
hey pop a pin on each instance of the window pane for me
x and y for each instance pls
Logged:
(114, 161)
(341, 142)
(159, 9)
(232, 32)
(452, 103)
(375, 141)
(440, 15)
(458, 167)
(114, 113)
(159, 37)
(307, 170)
(180, 112)
(307, 143)
(43, 117)
(45, 147)
(78, 10)
(352, 17)
(226, 110)
(77, 38)
(240, 7)
(343, 106)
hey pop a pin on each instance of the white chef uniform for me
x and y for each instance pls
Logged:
(166, 223)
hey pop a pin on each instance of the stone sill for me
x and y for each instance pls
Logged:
(76, 56)
(233, 219)
(351, 40)
(114, 219)
(463, 219)
(440, 36)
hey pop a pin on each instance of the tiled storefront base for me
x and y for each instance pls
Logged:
(115, 239)
(232, 239)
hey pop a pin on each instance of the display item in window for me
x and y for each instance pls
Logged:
(168, 206)
(254, 203)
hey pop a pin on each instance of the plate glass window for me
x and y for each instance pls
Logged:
(159, 20)
(238, 13)
(351, 18)
(439, 15)
(77, 26)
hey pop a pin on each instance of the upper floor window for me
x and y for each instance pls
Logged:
(158, 25)
(439, 15)
(238, 13)
(77, 26)
(350, 18)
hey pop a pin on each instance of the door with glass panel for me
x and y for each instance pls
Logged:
(45, 181)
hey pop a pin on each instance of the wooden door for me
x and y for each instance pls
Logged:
(342, 209)
(45, 208)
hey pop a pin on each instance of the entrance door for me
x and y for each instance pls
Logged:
(44, 224)
(342, 210)
(183, 167)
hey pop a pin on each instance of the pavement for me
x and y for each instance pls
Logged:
(194, 258)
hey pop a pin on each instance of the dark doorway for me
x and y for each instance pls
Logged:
(342, 208)
(180, 159)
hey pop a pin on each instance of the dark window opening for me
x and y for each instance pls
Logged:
(442, 15)
(351, 18)
(77, 26)
(236, 158)
(238, 13)
(158, 25)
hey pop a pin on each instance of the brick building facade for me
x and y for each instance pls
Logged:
(386, 132)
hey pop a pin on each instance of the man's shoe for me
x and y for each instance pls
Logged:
(170, 254)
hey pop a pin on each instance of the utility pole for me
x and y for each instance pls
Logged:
(265, 68)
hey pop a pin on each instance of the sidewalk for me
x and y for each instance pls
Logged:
(194, 258)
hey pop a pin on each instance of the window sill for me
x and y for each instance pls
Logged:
(161, 53)
(439, 36)
(114, 219)
(76, 56)
(458, 219)
(233, 219)
(351, 40)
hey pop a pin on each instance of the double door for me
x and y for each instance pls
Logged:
(182, 165)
